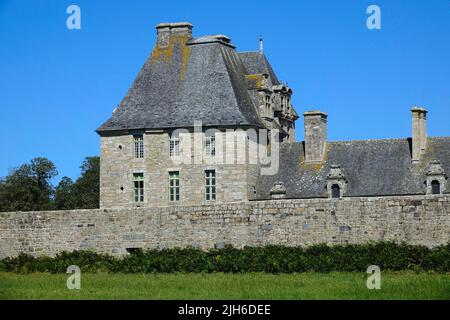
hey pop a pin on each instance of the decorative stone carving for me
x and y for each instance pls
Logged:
(278, 191)
(336, 177)
(436, 173)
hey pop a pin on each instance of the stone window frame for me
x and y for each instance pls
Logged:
(210, 185)
(268, 105)
(138, 140)
(442, 184)
(138, 187)
(336, 177)
(174, 186)
(436, 184)
(436, 173)
(336, 187)
(342, 188)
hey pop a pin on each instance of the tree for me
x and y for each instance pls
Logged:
(65, 195)
(88, 184)
(83, 193)
(28, 187)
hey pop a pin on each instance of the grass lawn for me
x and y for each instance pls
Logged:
(334, 285)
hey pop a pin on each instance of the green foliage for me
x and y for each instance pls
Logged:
(29, 188)
(65, 197)
(85, 192)
(388, 256)
(88, 185)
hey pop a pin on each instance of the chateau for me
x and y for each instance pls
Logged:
(201, 153)
(188, 81)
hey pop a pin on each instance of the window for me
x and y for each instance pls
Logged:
(210, 185)
(138, 146)
(268, 105)
(174, 148)
(174, 186)
(435, 187)
(138, 187)
(210, 144)
(283, 107)
(335, 191)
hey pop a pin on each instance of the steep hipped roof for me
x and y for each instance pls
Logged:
(372, 168)
(190, 80)
(255, 62)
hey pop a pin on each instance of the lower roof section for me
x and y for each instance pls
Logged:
(371, 167)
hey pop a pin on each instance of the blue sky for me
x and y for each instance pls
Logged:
(57, 86)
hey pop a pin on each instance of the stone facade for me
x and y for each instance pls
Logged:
(418, 220)
(188, 80)
(236, 168)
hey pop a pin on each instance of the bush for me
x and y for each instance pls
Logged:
(388, 256)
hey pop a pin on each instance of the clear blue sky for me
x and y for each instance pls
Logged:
(57, 86)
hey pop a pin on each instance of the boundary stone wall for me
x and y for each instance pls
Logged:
(418, 220)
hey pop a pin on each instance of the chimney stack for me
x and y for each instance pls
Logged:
(166, 30)
(315, 136)
(419, 132)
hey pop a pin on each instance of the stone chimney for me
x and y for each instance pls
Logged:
(419, 132)
(166, 30)
(315, 136)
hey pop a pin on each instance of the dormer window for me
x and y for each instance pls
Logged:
(336, 182)
(436, 178)
(335, 191)
(435, 187)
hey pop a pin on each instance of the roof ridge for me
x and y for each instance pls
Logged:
(371, 140)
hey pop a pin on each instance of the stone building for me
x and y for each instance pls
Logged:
(151, 152)
(181, 136)
(203, 144)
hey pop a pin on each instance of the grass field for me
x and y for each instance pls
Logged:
(226, 286)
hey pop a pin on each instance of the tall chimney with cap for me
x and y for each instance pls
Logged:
(419, 132)
(167, 30)
(315, 136)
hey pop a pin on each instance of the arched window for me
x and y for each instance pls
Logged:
(435, 187)
(335, 191)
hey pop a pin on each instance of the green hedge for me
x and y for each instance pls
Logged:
(269, 259)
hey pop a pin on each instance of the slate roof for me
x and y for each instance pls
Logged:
(256, 62)
(201, 79)
(372, 168)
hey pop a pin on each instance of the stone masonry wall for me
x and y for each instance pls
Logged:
(423, 220)
(236, 178)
